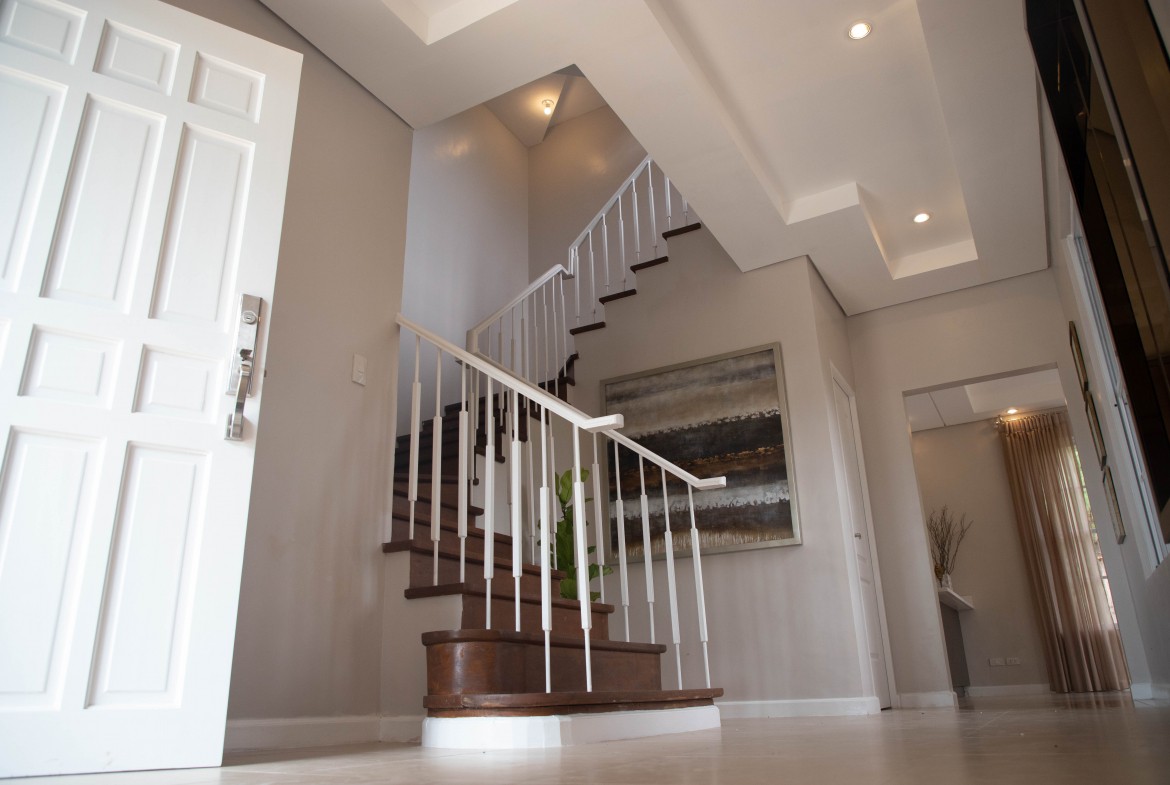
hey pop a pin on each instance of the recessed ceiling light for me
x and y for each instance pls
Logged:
(859, 30)
(921, 218)
(1012, 410)
(548, 105)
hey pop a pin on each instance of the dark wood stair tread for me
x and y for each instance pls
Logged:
(651, 263)
(502, 586)
(586, 328)
(450, 551)
(609, 298)
(681, 230)
(472, 510)
(537, 638)
(551, 703)
(447, 529)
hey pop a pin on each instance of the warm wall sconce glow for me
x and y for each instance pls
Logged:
(859, 30)
(921, 218)
(548, 106)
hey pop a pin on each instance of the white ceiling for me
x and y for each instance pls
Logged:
(983, 400)
(521, 111)
(787, 137)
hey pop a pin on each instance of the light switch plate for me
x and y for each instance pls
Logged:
(359, 369)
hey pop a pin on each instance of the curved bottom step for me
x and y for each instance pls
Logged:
(536, 704)
(563, 730)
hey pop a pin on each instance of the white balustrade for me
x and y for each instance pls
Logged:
(532, 488)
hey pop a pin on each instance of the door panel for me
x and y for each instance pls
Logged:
(135, 217)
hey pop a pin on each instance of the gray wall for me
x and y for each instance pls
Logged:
(308, 639)
(963, 467)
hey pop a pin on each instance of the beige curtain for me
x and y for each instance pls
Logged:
(1080, 638)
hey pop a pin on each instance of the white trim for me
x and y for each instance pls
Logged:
(402, 728)
(996, 690)
(1147, 691)
(508, 733)
(942, 699)
(815, 707)
(299, 732)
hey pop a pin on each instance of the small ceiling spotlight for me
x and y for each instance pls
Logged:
(1012, 410)
(859, 30)
(921, 218)
(548, 106)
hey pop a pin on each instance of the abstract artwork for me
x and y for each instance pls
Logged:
(723, 415)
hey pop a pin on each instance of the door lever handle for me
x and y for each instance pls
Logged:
(235, 423)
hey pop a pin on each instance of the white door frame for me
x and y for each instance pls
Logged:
(847, 533)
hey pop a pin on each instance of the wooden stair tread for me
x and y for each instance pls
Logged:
(609, 298)
(531, 700)
(447, 528)
(681, 230)
(586, 328)
(650, 263)
(501, 590)
(537, 638)
(472, 510)
(446, 551)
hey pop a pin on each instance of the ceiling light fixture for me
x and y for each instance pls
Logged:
(1012, 410)
(548, 106)
(921, 218)
(859, 30)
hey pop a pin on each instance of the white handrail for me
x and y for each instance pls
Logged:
(474, 333)
(612, 201)
(506, 379)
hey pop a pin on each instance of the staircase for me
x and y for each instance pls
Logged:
(509, 661)
(482, 671)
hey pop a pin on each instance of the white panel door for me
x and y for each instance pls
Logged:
(143, 161)
(875, 645)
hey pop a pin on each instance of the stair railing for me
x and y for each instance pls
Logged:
(531, 335)
(515, 402)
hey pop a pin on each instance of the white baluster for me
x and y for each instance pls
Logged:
(577, 279)
(637, 228)
(622, 243)
(545, 546)
(592, 278)
(436, 467)
(605, 248)
(700, 599)
(582, 555)
(489, 501)
(531, 486)
(564, 331)
(647, 561)
(621, 528)
(466, 454)
(415, 423)
(671, 586)
(667, 189)
(599, 521)
(517, 507)
(653, 222)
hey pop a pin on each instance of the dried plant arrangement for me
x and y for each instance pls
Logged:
(946, 535)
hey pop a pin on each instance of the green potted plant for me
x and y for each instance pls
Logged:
(563, 546)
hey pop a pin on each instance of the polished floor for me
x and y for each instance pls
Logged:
(1106, 740)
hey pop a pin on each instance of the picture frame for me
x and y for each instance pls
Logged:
(1074, 342)
(721, 415)
(1095, 429)
(1114, 508)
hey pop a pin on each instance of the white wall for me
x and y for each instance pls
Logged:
(781, 619)
(308, 638)
(571, 175)
(998, 328)
(466, 237)
(963, 467)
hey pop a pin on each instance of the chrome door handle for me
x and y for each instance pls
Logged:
(235, 423)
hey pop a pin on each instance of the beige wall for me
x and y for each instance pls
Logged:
(994, 329)
(466, 238)
(781, 619)
(963, 467)
(308, 638)
(571, 175)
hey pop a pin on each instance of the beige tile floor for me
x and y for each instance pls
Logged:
(1105, 740)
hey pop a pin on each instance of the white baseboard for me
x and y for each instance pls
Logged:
(942, 699)
(509, 733)
(402, 728)
(996, 690)
(817, 707)
(1147, 691)
(300, 732)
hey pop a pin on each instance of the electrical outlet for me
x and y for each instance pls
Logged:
(359, 369)
(1013, 660)
(995, 662)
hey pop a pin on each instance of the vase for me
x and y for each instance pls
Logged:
(945, 581)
